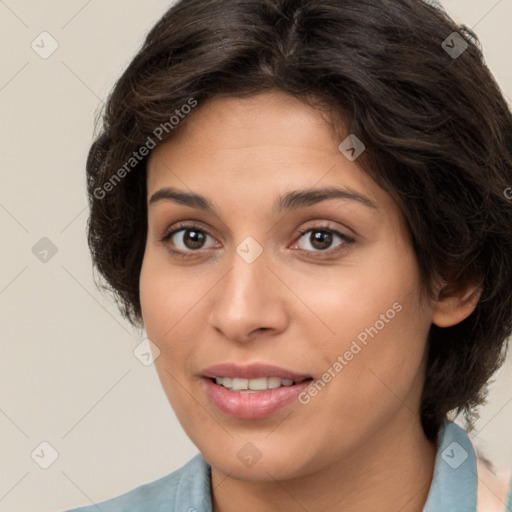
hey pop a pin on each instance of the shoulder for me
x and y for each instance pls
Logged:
(494, 488)
(158, 496)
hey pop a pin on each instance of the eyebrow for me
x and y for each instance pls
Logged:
(291, 200)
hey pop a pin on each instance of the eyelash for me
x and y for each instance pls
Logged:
(347, 241)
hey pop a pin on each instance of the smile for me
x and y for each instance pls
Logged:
(246, 403)
(253, 385)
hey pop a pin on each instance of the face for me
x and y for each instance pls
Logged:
(325, 288)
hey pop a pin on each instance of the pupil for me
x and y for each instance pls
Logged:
(195, 244)
(322, 237)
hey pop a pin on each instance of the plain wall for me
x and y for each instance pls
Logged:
(67, 372)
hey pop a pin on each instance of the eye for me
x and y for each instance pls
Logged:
(192, 239)
(321, 239)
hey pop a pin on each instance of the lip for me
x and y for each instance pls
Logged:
(252, 371)
(244, 405)
(240, 404)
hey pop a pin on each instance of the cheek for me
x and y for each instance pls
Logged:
(164, 303)
(153, 300)
(350, 298)
(165, 296)
(382, 357)
(376, 325)
(173, 309)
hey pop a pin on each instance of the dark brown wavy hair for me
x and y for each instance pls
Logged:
(437, 131)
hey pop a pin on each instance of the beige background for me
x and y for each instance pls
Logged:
(67, 372)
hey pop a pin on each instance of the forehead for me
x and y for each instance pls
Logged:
(280, 113)
(271, 135)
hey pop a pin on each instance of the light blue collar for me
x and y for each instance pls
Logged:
(454, 484)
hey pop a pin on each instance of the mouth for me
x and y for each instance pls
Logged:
(258, 385)
(252, 391)
(252, 371)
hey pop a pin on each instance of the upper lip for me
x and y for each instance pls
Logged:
(251, 371)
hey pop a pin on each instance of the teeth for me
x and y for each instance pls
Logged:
(273, 382)
(260, 384)
(239, 384)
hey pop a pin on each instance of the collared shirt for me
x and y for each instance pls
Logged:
(188, 489)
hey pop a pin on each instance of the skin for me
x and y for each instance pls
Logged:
(356, 446)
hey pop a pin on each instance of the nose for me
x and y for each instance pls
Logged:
(250, 299)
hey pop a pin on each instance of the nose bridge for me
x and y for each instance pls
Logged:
(248, 279)
(247, 297)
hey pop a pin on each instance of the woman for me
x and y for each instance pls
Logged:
(304, 204)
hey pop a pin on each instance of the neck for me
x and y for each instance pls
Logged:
(392, 470)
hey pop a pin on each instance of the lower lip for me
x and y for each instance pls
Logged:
(261, 404)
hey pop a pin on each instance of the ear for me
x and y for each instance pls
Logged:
(454, 304)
